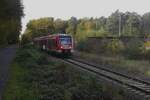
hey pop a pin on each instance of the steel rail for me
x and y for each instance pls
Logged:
(135, 84)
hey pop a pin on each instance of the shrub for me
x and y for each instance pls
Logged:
(147, 54)
(51, 80)
(146, 51)
(42, 60)
(114, 47)
(83, 46)
(134, 49)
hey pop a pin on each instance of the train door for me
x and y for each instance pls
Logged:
(57, 43)
(47, 46)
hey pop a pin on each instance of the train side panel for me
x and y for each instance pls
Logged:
(60, 43)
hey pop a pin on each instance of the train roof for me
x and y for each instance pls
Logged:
(60, 34)
(53, 35)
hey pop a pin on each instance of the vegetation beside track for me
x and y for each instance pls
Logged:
(33, 77)
(130, 56)
(138, 68)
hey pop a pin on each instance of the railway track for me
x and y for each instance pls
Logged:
(138, 86)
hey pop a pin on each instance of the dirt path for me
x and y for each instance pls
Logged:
(6, 56)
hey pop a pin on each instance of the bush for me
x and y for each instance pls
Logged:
(42, 60)
(51, 80)
(147, 50)
(114, 47)
(147, 54)
(134, 49)
(83, 46)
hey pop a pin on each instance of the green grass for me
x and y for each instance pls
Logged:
(33, 77)
(17, 88)
(135, 67)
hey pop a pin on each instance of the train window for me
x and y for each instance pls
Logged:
(51, 43)
(65, 40)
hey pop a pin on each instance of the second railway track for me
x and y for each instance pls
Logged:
(137, 85)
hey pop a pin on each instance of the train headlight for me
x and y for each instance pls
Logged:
(70, 47)
(61, 47)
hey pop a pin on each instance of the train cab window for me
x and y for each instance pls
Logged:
(65, 40)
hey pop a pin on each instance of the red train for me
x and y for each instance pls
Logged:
(60, 43)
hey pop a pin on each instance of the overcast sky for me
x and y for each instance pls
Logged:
(65, 9)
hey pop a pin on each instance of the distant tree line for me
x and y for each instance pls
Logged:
(131, 24)
(11, 12)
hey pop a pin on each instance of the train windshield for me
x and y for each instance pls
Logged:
(65, 40)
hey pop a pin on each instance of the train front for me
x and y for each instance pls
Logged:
(66, 44)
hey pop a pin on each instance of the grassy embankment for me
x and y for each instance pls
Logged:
(130, 57)
(33, 77)
(131, 66)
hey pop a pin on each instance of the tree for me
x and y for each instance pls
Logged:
(72, 26)
(10, 20)
(40, 27)
(133, 24)
(146, 23)
(60, 26)
(112, 23)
